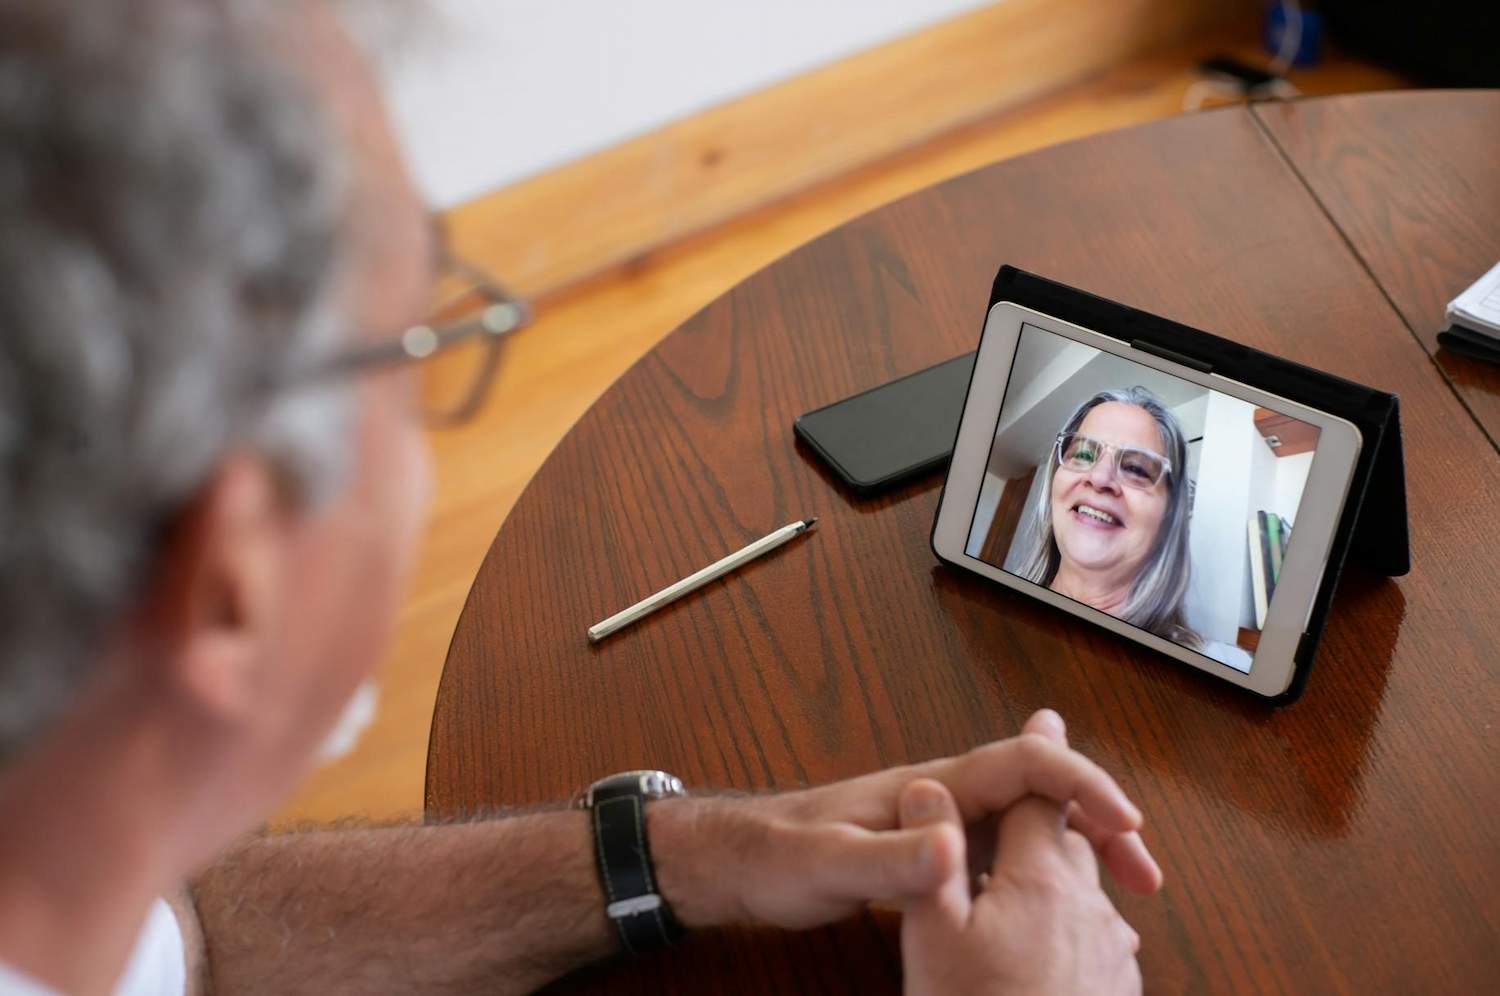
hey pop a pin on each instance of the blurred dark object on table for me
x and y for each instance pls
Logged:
(1436, 42)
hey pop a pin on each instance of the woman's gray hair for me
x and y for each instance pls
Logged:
(173, 205)
(1155, 603)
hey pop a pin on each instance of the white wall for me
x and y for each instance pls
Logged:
(1216, 539)
(491, 91)
(1238, 475)
(1191, 415)
(1040, 368)
(1291, 478)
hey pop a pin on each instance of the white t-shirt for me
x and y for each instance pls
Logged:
(157, 967)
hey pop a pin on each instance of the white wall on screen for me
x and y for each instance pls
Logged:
(488, 92)
(1216, 541)
(1191, 415)
(1219, 537)
(1043, 366)
(1291, 479)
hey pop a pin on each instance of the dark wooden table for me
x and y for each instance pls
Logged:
(1347, 843)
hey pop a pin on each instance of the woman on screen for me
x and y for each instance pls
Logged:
(1110, 527)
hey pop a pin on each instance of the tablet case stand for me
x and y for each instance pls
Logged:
(1373, 527)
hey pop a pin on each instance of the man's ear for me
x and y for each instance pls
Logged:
(211, 616)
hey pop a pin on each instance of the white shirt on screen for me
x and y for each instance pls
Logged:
(1227, 653)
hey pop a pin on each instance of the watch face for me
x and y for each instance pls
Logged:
(659, 784)
(647, 784)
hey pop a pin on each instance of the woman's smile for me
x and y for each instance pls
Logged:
(1096, 516)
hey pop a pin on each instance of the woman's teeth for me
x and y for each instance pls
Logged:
(1097, 514)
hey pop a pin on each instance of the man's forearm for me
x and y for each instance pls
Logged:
(510, 904)
(498, 906)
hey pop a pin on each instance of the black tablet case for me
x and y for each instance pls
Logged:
(1373, 527)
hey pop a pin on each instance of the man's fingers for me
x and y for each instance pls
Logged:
(1031, 840)
(994, 777)
(1131, 864)
(1132, 939)
(926, 805)
(849, 863)
(1081, 855)
(1123, 854)
(1049, 724)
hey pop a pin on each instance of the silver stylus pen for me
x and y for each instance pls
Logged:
(693, 582)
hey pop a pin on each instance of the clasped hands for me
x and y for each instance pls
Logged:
(993, 856)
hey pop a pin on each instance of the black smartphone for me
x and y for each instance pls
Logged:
(1247, 77)
(893, 433)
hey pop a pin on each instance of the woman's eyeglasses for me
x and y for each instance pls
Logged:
(459, 345)
(1136, 468)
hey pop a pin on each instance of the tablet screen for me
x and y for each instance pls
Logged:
(1162, 502)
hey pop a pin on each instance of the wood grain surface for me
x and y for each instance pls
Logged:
(1412, 183)
(1344, 843)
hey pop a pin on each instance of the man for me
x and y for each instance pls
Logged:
(211, 480)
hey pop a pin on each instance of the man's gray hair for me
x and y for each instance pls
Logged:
(1156, 598)
(173, 204)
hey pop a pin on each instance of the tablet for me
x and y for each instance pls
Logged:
(1178, 508)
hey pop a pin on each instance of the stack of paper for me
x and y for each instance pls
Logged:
(1474, 319)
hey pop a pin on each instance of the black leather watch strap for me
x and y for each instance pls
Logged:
(638, 911)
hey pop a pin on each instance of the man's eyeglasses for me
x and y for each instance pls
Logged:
(459, 345)
(1136, 468)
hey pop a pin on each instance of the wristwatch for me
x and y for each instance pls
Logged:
(617, 805)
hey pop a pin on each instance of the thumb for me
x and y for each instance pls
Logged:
(927, 804)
